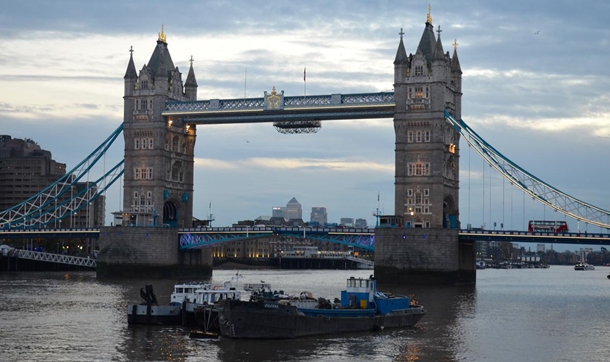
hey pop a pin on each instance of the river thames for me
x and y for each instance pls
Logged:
(555, 314)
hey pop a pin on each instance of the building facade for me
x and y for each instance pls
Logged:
(318, 216)
(26, 169)
(293, 210)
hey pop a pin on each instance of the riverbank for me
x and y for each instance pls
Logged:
(238, 266)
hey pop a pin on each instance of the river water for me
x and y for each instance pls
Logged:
(554, 314)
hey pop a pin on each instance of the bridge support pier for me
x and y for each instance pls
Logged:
(149, 252)
(416, 256)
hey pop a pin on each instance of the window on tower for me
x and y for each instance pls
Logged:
(418, 168)
(419, 70)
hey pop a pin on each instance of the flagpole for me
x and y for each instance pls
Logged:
(304, 82)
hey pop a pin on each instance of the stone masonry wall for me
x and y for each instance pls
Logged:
(423, 256)
(149, 252)
(415, 248)
(138, 245)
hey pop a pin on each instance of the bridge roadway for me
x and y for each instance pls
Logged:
(362, 238)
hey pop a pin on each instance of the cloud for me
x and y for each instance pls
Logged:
(295, 164)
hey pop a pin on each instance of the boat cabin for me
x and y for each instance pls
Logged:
(187, 291)
(359, 292)
(215, 295)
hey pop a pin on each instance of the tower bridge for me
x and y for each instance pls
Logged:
(161, 117)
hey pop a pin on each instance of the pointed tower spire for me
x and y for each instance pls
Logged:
(427, 43)
(455, 62)
(401, 54)
(190, 86)
(131, 68)
(439, 53)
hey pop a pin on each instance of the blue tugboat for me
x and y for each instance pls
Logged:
(361, 308)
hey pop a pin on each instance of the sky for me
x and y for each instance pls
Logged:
(535, 86)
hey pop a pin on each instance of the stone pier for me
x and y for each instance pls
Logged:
(151, 252)
(423, 256)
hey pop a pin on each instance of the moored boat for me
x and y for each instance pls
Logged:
(208, 297)
(584, 266)
(150, 312)
(361, 308)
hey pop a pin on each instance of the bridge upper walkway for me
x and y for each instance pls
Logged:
(277, 108)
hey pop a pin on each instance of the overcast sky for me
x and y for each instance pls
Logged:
(535, 84)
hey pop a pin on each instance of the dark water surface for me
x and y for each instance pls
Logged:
(554, 314)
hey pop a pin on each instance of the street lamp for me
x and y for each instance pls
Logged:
(412, 218)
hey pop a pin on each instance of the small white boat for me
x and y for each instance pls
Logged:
(150, 312)
(584, 266)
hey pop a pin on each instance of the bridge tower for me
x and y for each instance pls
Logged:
(159, 152)
(158, 179)
(426, 171)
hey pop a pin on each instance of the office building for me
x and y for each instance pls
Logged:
(26, 169)
(293, 210)
(318, 216)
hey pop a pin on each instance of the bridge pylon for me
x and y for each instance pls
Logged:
(424, 247)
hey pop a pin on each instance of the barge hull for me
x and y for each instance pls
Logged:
(272, 321)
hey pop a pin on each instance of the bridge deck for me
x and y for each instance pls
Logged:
(257, 110)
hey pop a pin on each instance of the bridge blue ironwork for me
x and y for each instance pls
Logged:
(539, 190)
(365, 238)
(49, 233)
(196, 238)
(190, 238)
(287, 109)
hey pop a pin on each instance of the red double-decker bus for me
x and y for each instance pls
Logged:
(547, 226)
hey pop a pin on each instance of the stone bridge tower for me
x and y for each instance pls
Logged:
(424, 248)
(158, 181)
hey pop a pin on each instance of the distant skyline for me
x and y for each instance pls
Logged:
(535, 86)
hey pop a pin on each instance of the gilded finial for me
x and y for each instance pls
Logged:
(191, 60)
(162, 37)
(429, 18)
(455, 44)
(273, 92)
(401, 33)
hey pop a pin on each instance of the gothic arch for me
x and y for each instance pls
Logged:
(170, 213)
(450, 213)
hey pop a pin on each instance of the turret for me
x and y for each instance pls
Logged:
(131, 76)
(439, 61)
(190, 87)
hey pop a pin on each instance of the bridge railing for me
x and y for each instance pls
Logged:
(253, 104)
